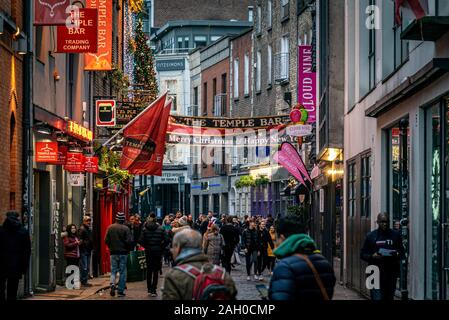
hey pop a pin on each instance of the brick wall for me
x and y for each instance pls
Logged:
(11, 105)
(166, 10)
(241, 46)
(207, 76)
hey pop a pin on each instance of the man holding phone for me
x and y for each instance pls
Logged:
(383, 248)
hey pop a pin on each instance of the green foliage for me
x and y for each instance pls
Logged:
(299, 212)
(110, 163)
(120, 81)
(262, 180)
(245, 181)
(144, 71)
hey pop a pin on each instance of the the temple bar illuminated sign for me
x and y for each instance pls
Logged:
(78, 131)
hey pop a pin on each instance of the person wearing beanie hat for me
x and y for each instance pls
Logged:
(183, 224)
(119, 240)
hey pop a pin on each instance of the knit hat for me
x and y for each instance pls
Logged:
(183, 221)
(120, 217)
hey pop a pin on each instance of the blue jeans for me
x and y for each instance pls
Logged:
(118, 264)
(84, 266)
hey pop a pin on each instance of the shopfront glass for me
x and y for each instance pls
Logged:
(398, 191)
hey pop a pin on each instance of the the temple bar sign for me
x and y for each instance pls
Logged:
(170, 65)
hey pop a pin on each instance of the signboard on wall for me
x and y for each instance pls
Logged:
(46, 152)
(80, 36)
(172, 177)
(75, 162)
(76, 179)
(321, 200)
(170, 65)
(102, 60)
(106, 111)
(91, 164)
(307, 82)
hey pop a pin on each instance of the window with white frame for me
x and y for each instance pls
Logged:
(269, 13)
(246, 75)
(250, 14)
(258, 71)
(236, 78)
(269, 71)
(259, 19)
(285, 8)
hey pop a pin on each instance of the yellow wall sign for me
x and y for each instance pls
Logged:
(78, 131)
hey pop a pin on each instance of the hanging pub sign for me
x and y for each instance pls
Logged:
(46, 152)
(105, 113)
(50, 12)
(91, 164)
(126, 111)
(76, 180)
(74, 162)
(62, 155)
(307, 82)
(79, 35)
(102, 60)
(78, 131)
(299, 130)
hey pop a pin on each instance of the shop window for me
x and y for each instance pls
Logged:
(352, 180)
(366, 186)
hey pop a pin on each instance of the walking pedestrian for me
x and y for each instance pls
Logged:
(118, 239)
(265, 242)
(204, 224)
(383, 248)
(135, 226)
(71, 246)
(213, 245)
(231, 238)
(86, 245)
(190, 263)
(302, 273)
(153, 239)
(271, 256)
(250, 239)
(182, 224)
(15, 250)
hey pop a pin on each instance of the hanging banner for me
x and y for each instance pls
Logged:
(229, 123)
(289, 158)
(102, 60)
(62, 155)
(307, 82)
(74, 162)
(154, 166)
(139, 136)
(106, 113)
(50, 12)
(75, 180)
(91, 164)
(46, 152)
(80, 35)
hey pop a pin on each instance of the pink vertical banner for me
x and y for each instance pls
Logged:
(307, 81)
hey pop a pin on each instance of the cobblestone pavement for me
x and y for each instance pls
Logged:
(138, 290)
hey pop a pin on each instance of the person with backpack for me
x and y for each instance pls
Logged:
(193, 277)
(302, 274)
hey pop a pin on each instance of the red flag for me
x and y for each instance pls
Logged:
(418, 7)
(154, 166)
(139, 135)
(50, 12)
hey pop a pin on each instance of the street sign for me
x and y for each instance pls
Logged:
(106, 111)
(299, 130)
(76, 179)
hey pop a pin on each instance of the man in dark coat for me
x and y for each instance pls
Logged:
(231, 238)
(153, 239)
(250, 243)
(383, 248)
(204, 224)
(15, 250)
(293, 277)
(86, 245)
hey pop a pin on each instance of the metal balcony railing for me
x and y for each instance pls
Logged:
(281, 66)
(220, 101)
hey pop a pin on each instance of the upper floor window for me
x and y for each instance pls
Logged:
(250, 14)
(258, 71)
(236, 78)
(200, 41)
(246, 75)
(269, 13)
(259, 19)
(285, 9)
(269, 65)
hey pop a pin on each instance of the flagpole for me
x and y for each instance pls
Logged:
(134, 120)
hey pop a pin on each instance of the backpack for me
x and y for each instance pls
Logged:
(209, 282)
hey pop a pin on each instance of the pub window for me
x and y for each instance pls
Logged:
(366, 186)
(352, 178)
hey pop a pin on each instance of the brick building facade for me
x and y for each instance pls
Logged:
(11, 113)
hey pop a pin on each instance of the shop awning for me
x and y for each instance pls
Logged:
(423, 78)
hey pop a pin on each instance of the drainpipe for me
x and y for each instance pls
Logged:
(27, 167)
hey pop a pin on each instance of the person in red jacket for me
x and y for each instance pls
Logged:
(71, 246)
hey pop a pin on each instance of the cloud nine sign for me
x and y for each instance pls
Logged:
(307, 81)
